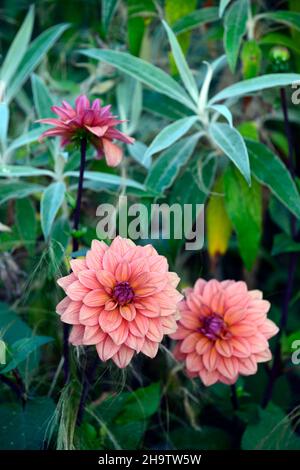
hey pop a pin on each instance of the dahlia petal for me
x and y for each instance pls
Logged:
(229, 367)
(241, 347)
(89, 279)
(123, 357)
(210, 358)
(107, 348)
(99, 131)
(94, 257)
(119, 335)
(77, 265)
(111, 305)
(190, 321)
(217, 303)
(159, 264)
(111, 261)
(259, 306)
(76, 335)
(210, 289)
(93, 335)
(188, 345)
(77, 291)
(128, 312)
(235, 314)
(173, 279)
(150, 348)
(106, 279)
(263, 356)
(209, 377)
(87, 313)
(203, 345)
(138, 266)
(268, 329)
(139, 326)
(199, 286)
(243, 329)
(113, 153)
(180, 333)
(193, 362)
(62, 305)
(255, 294)
(121, 246)
(258, 343)
(96, 298)
(223, 347)
(71, 314)
(66, 281)
(134, 342)
(109, 321)
(155, 332)
(169, 325)
(123, 272)
(248, 365)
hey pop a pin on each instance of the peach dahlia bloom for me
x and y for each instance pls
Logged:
(92, 121)
(223, 331)
(120, 298)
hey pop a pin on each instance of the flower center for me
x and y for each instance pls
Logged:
(213, 326)
(123, 293)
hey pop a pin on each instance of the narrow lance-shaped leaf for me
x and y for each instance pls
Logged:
(41, 97)
(235, 27)
(290, 18)
(17, 49)
(108, 8)
(107, 178)
(35, 53)
(224, 111)
(15, 171)
(222, 7)
(51, 202)
(22, 348)
(195, 19)
(244, 208)
(170, 134)
(182, 66)
(25, 139)
(143, 71)
(4, 119)
(230, 141)
(270, 170)
(263, 82)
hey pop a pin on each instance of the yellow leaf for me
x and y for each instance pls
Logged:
(218, 225)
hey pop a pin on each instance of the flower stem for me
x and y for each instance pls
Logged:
(75, 246)
(277, 362)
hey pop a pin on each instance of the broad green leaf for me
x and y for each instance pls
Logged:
(26, 428)
(244, 208)
(230, 141)
(195, 19)
(218, 225)
(169, 135)
(108, 8)
(141, 404)
(26, 222)
(290, 18)
(107, 178)
(224, 111)
(12, 328)
(4, 120)
(251, 59)
(138, 151)
(51, 202)
(273, 431)
(222, 7)
(35, 53)
(270, 171)
(256, 84)
(25, 139)
(161, 105)
(234, 29)
(15, 171)
(181, 63)
(17, 49)
(41, 97)
(17, 190)
(284, 244)
(143, 71)
(166, 167)
(280, 39)
(21, 350)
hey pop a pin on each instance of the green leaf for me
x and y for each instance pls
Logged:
(166, 167)
(284, 244)
(26, 428)
(17, 49)
(278, 39)
(222, 7)
(195, 19)
(107, 179)
(26, 222)
(230, 141)
(17, 190)
(15, 171)
(51, 202)
(162, 106)
(270, 171)
(143, 71)
(207, 438)
(244, 208)
(35, 53)
(251, 59)
(25, 139)
(108, 8)
(60, 236)
(4, 120)
(138, 151)
(182, 66)
(12, 328)
(169, 135)
(290, 18)
(224, 111)
(263, 82)
(273, 431)
(234, 29)
(2, 352)
(21, 350)
(41, 97)
(141, 404)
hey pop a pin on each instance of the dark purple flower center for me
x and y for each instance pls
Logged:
(213, 326)
(123, 293)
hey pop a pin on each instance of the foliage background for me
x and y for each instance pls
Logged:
(251, 232)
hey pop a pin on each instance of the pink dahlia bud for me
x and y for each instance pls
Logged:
(121, 298)
(92, 121)
(223, 331)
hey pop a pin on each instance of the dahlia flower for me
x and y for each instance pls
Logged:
(223, 331)
(120, 298)
(92, 121)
